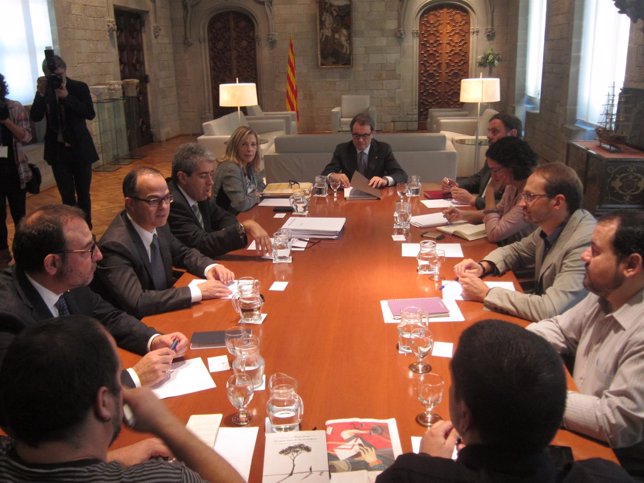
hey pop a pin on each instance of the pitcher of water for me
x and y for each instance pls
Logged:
(284, 407)
(249, 360)
(249, 307)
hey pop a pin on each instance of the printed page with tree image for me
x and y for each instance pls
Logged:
(362, 444)
(295, 456)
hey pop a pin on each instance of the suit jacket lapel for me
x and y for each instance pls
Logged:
(31, 297)
(204, 208)
(141, 251)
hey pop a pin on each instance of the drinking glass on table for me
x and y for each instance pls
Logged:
(240, 390)
(401, 189)
(282, 246)
(436, 259)
(319, 188)
(421, 343)
(335, 184)
(402, 217)
(300, 202)
(430, 393)
(414, 187)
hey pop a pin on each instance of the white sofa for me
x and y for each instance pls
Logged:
(301, 157)
(218, 131)
(255, 113)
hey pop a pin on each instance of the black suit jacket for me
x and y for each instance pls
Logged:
(22, 307)
(77, 107)
(220, 233)
(381, 161)
(124, 275)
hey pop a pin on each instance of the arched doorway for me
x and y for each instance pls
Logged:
(232, 53)
(443, 57)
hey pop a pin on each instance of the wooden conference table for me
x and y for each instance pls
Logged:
(326, 329)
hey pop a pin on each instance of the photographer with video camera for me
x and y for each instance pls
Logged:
(69, 147)
(14, 166)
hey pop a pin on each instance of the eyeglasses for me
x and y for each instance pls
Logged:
(155, 202)
(357, 136)
(497, 169)
(92, 249)
(530, 197)
(206, 175)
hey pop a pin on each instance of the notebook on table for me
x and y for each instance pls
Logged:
(433, 306)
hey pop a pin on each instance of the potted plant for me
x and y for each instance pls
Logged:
(489, 59)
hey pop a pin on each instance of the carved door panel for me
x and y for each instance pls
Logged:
(444, 51)
(232, 52)
(129, 35)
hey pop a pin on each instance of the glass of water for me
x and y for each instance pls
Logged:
(401, 189)
(402, 217)
(414, 186)
(282, 247)
(240, 390)
(319, 188)
(430, 394)
(426, 256)
(300, 202)
(410, 319)
(421, 343)
(335, 184)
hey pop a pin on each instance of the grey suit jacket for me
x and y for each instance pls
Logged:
(559, 276)
(220, 233)
(124, 275)
(381, 161)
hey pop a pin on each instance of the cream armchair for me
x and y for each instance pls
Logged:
(289, 117)
(350, 106)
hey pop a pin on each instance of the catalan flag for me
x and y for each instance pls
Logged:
(291, 82)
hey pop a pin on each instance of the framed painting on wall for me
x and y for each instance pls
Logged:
(334, 33)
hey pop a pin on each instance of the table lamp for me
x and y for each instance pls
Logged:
(479, 90)
(238, 95)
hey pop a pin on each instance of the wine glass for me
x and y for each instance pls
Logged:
(334, 183)
(430, 394)
(401, 189)
(421, 343)
(239, 389)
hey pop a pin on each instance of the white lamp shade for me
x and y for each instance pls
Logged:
(236, 95)
(480, 89)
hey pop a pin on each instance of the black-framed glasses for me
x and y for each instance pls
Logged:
(530, 197)
(155, 202)
(361, 136)
(92, 249)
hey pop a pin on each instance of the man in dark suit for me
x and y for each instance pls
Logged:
(56, 257)
(69, 147)
(139, 253)
(372, 158)
(195, 218)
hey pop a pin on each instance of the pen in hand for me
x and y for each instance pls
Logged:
(175, 343)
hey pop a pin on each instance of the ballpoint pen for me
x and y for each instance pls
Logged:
(175, 343)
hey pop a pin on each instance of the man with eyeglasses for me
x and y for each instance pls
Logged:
(56, 257)
(140, 251)
(196, 219)
(552, 200)
(374, 159)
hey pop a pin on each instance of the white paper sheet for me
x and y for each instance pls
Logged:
(452, 289)
(442, 349)
(455, 314)
(218, 363)
(186, 377)
(452, 250)
(278, 286)
(275, 202)
(232, 286)
(437, 203)
(237, 445)
(205, 427)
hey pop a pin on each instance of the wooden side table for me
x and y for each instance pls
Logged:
(611, 180)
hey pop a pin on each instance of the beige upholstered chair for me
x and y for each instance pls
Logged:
(290, 117)
(350, 106)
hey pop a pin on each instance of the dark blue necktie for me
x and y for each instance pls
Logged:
(156, 264)
(62, 307)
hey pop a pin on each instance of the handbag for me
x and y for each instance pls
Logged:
(33, 186)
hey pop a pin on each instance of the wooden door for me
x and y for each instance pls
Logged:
(232, 52)
(129, 35)
(444, 51)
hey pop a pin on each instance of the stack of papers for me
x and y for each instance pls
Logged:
(428, 221)
(315, 227)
